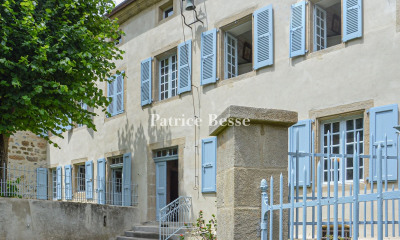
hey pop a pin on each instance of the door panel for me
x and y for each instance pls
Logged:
(161, 187)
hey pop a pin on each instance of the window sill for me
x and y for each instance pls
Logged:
(237, 78)
(325, 51)
(106, 119)
(154, 104)
(162, 21)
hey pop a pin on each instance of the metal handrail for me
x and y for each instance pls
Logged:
(175, 216)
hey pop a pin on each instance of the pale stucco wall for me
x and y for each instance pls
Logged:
(362, 69)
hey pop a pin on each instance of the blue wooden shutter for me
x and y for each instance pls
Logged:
(161, 187)
(119, 93)
(126, 180)
(101, 181)
(41, 182)
(59, 183)
(185, 67)
(89, 179)
(208, 57)
(382, 120)
(298, 29)
(146, 82)
(352, 19)
(68, 182)
(304, 129)
(111, 94)
(263, 37)
(209, 164)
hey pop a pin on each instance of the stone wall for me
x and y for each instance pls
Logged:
(38, 219)
(27, 149)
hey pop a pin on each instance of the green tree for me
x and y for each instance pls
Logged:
(53, 55)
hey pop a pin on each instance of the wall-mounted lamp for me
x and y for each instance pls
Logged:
(190, 6)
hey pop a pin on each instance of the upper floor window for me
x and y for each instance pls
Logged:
(327, 22)
(115, 91)
(168, 12)
(168, 77)
(328, 19)
(238, 45)
(350, 127)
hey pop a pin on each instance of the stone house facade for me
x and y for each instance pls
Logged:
(339, 72)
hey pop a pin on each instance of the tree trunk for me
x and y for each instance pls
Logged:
(3, 162)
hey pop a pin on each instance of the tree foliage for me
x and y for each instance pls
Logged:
(53, 55)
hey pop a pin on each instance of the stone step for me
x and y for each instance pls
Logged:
(134, 238)
(143, 234)
(146, 228)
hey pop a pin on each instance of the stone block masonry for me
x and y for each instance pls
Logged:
(27, 149)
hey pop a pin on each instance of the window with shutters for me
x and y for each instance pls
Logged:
(351, 127)
(115, 91)
(238, 47)
(327, 24)
(168, 86)
(166, 10)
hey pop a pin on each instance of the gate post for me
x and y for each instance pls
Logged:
(245, 155)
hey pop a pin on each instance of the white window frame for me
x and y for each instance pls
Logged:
(342, 127)
(81, 178)
(172, 79)
(230, 64)
(317, 37)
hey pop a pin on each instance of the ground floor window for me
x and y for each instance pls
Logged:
(350, 127)
(81, 178)
(54, 182)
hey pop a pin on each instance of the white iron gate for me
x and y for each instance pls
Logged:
(360, 209)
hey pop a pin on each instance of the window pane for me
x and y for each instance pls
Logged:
(349, 125)
(327, 127)
(359, 123)
(335, 139)
(349, 174)
(349, 162)
(349, 149)
(350, 137)
(335, 150)
(336, 127)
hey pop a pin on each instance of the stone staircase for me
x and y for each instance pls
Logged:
(145, 232)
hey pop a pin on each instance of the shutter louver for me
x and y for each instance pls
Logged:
(208, 161)
(89, 179)
(101, 181)
(146, 97)
(59, 183)
(352, 19)
(126, 180)
(209, 57)
(185, 67)
(298, 29)
(41, 182)
(304, 130)
(68, 182)
(110, 94)
(382, 120)
(119, 103)
(263, 37)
